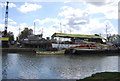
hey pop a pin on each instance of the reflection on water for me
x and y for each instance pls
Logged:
(119, 64)
(0, 60)
(0, 66)
(30, 66)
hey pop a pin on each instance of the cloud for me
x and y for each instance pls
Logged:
(69, 12)
(73, 20)
(11, 28)
(11, 5)
(11, 25)
(10, 21)
(93, 27)
(101, 2)
(2, 27)
(17, 28)
(97, 27)
(82, 23)
(110, 27)
(109, 8)
(67, 1)
(109, 11)
(64, 21)
(49, 31)
(75, 16)
(46, 20)
(28, 7)
(22, 26)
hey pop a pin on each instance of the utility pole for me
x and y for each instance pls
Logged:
(70, 29)
(106, 33)
(34, 28)
(100, 34)
(19, 30)
(42, 31)
(60, 27)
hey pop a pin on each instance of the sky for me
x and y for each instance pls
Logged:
(67, 17)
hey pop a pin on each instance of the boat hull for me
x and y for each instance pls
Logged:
(91, 51)
(50, 52)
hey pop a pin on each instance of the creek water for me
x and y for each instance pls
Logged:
(32, 66)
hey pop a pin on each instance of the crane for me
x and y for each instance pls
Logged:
(5, 38)
(6, 20)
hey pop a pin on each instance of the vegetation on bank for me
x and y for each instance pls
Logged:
(104, 76)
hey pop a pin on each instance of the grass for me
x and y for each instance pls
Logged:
(103, 76)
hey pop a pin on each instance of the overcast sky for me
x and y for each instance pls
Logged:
(66, 17)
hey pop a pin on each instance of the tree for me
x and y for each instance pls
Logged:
(11, 36)
(25, 33)
(114, 38)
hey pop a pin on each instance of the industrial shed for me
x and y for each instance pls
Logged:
(75, 37)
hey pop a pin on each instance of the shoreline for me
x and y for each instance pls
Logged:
(17, 49)
(67, 52)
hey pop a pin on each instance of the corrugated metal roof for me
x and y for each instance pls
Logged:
(64, 35)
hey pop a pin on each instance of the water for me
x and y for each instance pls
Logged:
(0, 59)
(31, 66)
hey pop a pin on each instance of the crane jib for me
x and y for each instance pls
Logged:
(6, 20)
